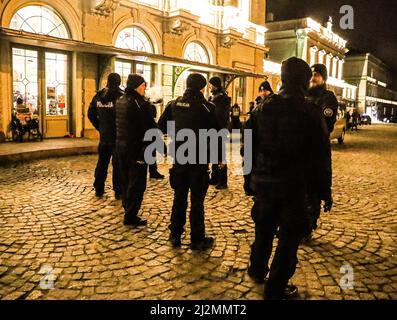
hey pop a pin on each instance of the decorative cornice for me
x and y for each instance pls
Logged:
(105, 7)
(226, 41)
(177, 26)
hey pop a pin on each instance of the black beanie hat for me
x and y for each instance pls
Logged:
(114, 81)
(321, 69)
(216, 82)
(265, 85)
(134, 81)
(295, 71)
(196, 82)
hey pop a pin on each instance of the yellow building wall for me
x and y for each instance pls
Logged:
(87, 72)
(5, 88)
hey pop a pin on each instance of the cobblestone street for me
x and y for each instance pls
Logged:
(50, 218)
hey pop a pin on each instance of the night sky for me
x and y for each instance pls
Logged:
(375, 22)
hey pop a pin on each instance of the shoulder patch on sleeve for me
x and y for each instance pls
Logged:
(328, 112)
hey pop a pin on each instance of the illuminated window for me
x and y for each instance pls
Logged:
(145, 70)
(196, 52)
(134, 39)
(40, 20)
(124, 69)
(25, 80)
(56, 75)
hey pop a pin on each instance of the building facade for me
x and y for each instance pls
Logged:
(377, 94)
(56, 54)
(309, 40)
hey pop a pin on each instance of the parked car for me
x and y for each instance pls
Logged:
(393, 119)
(340, 127)
(366, 119)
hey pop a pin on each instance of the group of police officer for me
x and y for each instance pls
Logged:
(291, 155)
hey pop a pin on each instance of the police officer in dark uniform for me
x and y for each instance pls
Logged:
(101, 114)
(133, 119)
(235, 116)
(265, 93)
(327, 103)
(222, 112)
(191, 111)
(290, 148)
(153, 170)
(321, 97)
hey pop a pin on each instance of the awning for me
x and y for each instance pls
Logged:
(33, 39)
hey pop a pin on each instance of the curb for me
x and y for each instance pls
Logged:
(17, 158)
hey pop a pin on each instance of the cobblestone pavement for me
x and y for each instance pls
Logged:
(50, 218)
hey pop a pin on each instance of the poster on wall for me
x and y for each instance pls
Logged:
(61, 101)
(51, 93)
(61, 104)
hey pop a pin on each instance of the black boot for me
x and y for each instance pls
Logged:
(175, 241)
(99, 193)
(221, 186)
(205, 244)
(117, 196)
(258, 278)
(222, 174)
(288, 293)
(134, 221)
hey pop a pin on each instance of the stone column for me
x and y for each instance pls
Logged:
(258, 12)
(6, 88)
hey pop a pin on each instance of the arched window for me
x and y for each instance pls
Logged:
(134, 38)
(196, 52)
(40, 20)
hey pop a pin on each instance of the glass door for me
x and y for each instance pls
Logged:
(125, 68)
(25, 84)
(180, 86)
(56, 95)
(40, 89)
(145, 70)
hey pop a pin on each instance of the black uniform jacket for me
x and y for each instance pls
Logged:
(328, 104)
(290, 145)
(133, 118)
(191, 111)
(222, 107)
(101, 114)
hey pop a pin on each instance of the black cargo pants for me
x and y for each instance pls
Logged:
(284, 208)
(185, 178)
(134, 181)
(106, 151)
